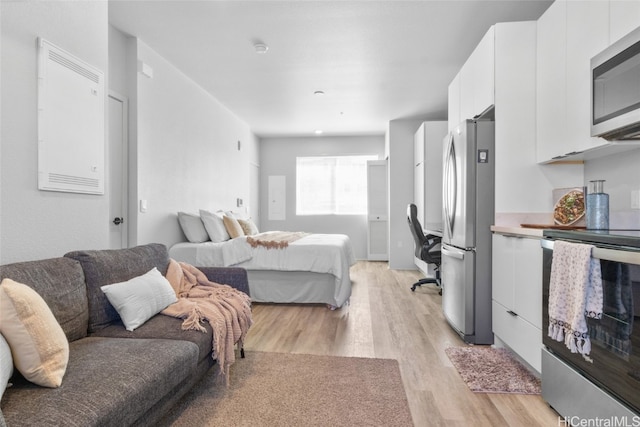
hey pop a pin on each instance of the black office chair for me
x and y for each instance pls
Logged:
(426, 247)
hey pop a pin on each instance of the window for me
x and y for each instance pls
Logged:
(332, 185)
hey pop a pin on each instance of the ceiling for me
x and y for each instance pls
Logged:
(375, 61)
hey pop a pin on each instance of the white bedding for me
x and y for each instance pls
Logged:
(318, 253)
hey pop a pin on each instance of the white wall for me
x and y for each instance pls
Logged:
(278, 158)
(39, 224)
(187, 151)
(183, 142)
(622, 175)
(399, 143)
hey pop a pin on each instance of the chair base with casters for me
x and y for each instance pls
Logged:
(428, 280)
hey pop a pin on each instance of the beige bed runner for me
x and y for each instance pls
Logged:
(275, 239)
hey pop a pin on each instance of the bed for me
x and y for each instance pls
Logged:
(312, 269)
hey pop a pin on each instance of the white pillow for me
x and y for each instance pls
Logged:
(215, 226)
(192, 227)
(139, 299)
(6, 364)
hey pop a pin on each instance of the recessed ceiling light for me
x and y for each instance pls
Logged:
(318, 93)
(261, 48)
(318, 132)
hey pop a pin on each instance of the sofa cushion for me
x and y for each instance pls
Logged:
(105, 267)
(38, 343)
(60, 282)
(166, 327)
(140, 298)
(110, 382)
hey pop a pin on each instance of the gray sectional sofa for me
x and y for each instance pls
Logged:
(114, 377)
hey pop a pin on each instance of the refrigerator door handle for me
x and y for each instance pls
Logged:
(450, 185)
(452, 253)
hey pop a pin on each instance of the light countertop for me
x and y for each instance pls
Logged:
(517, 231)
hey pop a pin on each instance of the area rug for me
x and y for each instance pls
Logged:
(278, 389)
(492, 370)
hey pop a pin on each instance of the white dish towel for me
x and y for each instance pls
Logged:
(575, 293)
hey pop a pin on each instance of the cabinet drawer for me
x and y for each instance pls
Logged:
(521, 336)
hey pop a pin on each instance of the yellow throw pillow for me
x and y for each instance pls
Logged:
(233, 226)
(39, 346)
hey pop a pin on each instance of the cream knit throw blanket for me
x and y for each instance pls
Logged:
(275, 239)
(575, 292)
(227, 310)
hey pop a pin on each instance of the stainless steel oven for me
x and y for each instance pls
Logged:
(607, 382)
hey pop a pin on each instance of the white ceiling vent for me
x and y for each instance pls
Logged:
(71, 122)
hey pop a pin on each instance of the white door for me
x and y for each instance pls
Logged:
(377, 221)
(118, 168)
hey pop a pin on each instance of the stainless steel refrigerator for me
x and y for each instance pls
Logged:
(468, 213)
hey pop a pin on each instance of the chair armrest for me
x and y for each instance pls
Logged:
(233, 276)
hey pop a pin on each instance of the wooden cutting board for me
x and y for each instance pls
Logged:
(554, 226)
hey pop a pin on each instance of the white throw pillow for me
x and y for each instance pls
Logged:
(192, 227)
(6, 364)
(139, 299)
(215, 226)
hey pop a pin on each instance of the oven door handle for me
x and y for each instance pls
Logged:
(622, 256)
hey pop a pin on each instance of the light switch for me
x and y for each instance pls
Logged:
(635, 199)
(143, 205)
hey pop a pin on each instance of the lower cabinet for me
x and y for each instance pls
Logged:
(517, 295)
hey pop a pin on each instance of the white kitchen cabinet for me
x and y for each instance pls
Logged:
(453, 106)
(587, 34)
(377, 216)
(484, 72)
(569, 34)
(551, 81)
(477, 79)
(517, 295)
(513, 93)
(428, 141)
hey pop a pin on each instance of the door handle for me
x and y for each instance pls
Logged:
(118, 220)
(455, 254)
(513, 313)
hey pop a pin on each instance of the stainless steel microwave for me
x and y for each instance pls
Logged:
(615, 90)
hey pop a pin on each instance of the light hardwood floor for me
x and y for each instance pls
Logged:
(386, 320)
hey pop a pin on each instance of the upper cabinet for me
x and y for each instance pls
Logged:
(569, 34)
(501, 72)
(551, 77)
(454, 103)
(472, 90)
(477, 78)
